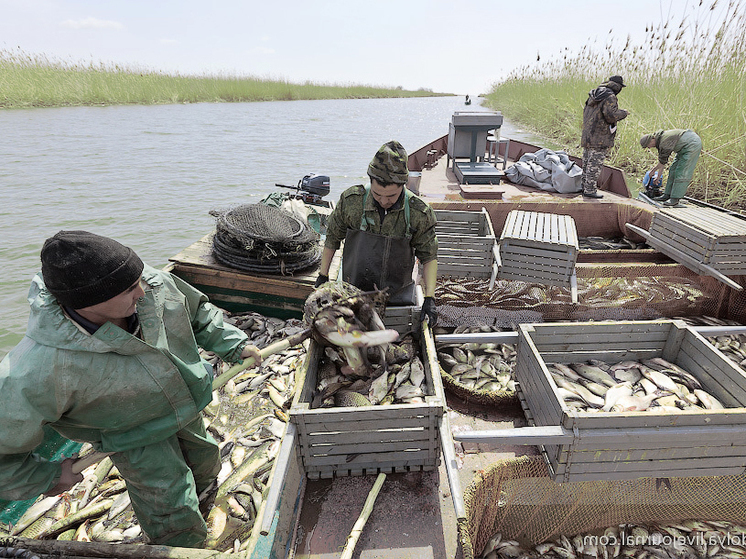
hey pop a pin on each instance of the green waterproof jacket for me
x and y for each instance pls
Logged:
(348, 212)
(111, 389)
(665, 143)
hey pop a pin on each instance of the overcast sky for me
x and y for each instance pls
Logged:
(457, 46)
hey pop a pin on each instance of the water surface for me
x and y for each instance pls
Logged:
(149, 175)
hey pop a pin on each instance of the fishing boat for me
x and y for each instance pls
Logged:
(420, 511)
(420, 516)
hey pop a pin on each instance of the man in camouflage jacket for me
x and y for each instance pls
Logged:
(384, 214)
(600, 117)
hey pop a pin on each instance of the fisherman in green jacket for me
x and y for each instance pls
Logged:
(687, 146)
(111, 357)
(385, 227)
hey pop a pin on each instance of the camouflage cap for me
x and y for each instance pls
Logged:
(645, 140)
(389, 164)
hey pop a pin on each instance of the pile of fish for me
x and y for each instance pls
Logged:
(615, 292)
(648, 384)
(599, 243)
(394, 377)
(96, 509)
(479, 366)
(247, 417)
(690, 539)
(361, 365)
(732, 345)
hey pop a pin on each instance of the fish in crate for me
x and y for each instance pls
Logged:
(363, 363)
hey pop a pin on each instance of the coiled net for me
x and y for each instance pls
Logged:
(264, 239)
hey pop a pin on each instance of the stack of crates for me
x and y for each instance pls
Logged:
(467, 246)
(539, 247)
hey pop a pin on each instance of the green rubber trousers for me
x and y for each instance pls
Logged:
(164, 480)
(681, 172)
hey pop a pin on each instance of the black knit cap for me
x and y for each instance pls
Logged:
(82, 269)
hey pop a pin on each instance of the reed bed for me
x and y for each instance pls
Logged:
(690, 74)
(39, 81)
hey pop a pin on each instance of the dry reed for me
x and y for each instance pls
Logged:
(690, 74)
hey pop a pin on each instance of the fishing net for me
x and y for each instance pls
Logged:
(517, 498)
(264, 239)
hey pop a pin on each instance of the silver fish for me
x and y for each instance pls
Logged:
(593, 373)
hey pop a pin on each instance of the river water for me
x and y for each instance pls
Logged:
(149, 175)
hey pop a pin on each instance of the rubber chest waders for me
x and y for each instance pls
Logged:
(371, 260)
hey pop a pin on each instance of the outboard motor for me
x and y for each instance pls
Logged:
(318, 185)
(311, 189)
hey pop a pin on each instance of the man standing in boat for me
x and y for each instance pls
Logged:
(111, 357)
(384, 227)
(600, 117)
(687, 145)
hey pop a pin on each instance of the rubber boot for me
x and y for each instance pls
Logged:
(661, 198)
(673, 203)
(594, 194)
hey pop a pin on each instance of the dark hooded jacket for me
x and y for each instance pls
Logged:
(600, 115)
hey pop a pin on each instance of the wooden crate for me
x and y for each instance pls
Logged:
(349, 441)
(709, 236)
(629, 445)
(405, 318)
(538, 247)
(467, 246)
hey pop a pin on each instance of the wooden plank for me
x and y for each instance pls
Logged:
(537, 255)
(354, 449)
(614, 476)
(367, 460)
(544, 333)
(656, 468)
(689, 422)
(720, 443)
(473, 243)
(536, 383)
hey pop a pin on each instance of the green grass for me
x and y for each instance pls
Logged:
(689, 74)
(37, 81)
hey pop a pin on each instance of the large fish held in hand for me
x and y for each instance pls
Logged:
(344, 316)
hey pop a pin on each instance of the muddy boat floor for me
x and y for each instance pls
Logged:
(413, 515)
